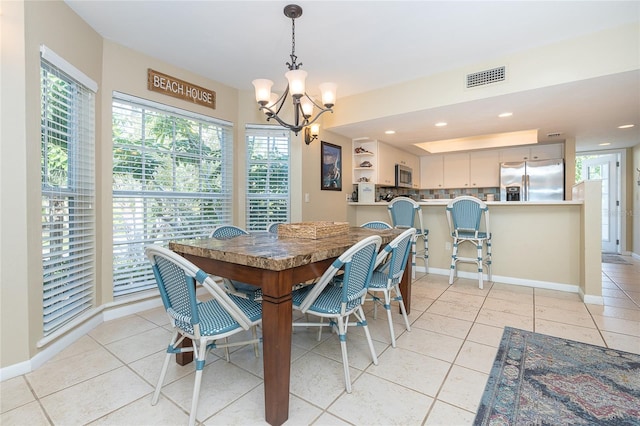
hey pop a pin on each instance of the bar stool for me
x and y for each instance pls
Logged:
(464, 215)
(403, 211)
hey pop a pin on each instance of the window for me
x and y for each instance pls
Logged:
(268, 176)
(172, 179)
(67, 173)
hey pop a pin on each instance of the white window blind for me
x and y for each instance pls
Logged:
(68, 195)
(268, 175)
(172, 179)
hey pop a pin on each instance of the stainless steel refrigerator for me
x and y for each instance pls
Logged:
(541, 180)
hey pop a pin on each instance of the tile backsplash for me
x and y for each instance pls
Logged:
(438, 194)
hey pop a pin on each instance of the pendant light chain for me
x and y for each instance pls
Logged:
(293, 65)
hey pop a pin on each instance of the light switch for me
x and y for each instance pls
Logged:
(306, 197)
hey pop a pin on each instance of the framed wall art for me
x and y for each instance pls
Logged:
(330, 167)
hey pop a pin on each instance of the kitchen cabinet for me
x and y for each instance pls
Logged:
(484, 169)
(538, 152)
(387, 160)
(456, 170)
(432, 172)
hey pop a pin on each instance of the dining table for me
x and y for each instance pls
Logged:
(276, 263)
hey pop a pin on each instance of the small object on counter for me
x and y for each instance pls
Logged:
(491, 197)
(363, 179)
(365, 164)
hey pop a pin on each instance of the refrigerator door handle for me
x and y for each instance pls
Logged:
(523, 189)
(527, 189)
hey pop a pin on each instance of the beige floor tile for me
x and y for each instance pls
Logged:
(619, 303)
(463, 388)
(502, 319)
(327, 419)
(435, 345)
(94, 398)
(569, 331)
(318, 380)
(120, 328)
(476, 356)
(222, 383)
(544, 293)
(80, 346)
(523, 308)
(622, 342)
(399, 366)
(486, 334)
(149, 368)
(358, 351)
(249, 410)
(454, 310)
(443, 325)
(580, 318)
(561, 303)
(443, 414)
(15, 393)
(454, 296)
(617, 325)
(61, 374)
(157, 316)
(371, 399)
(141, 412)
(29, 414)
(141, 345)
(615, 312)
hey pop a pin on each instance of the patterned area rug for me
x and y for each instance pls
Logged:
(543, 380)
(614, 258)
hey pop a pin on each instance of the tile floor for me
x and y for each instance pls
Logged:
(436, 375)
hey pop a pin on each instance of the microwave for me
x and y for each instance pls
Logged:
(404, 176)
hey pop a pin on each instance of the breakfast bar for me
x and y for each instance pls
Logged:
(552, 244)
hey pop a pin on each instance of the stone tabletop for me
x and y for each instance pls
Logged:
(266, 250)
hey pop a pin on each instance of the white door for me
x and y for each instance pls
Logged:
(605, 168)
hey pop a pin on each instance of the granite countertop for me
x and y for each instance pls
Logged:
(268, 251)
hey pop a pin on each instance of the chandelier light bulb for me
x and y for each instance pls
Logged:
(296, 82)
(328, 91)
(263, 90)
(307, 107)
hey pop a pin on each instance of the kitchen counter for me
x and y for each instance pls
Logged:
(544, 244)
(444, 202)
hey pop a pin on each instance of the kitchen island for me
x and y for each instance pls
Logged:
(554, 245)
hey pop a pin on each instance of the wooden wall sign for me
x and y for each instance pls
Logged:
(171, 86)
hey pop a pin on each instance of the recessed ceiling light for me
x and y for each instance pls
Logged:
(390, 132)
(626, 126)
(505, 114)
(441, 124)
(605, 144)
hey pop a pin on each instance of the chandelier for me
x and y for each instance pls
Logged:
(303, 104)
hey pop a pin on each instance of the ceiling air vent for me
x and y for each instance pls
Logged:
(485, 77)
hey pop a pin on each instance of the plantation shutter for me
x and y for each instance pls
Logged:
(68, 191)
(268, 176)
(172, 179)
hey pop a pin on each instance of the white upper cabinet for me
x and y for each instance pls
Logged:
(531, 153)
(387, 159)
(432, 172)
(456, 170)
(484, 169)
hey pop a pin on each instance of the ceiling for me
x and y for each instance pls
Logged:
(367, 45)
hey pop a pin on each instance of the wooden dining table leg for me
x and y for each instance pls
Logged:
(276, 336)
(405, 287)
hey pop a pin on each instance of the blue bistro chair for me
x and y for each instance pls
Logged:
(237, 288)
(387, 274)
(273, 227)
(205, 323)
(403, 212)
(376, 224)
(464, 215)
(338, 301)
